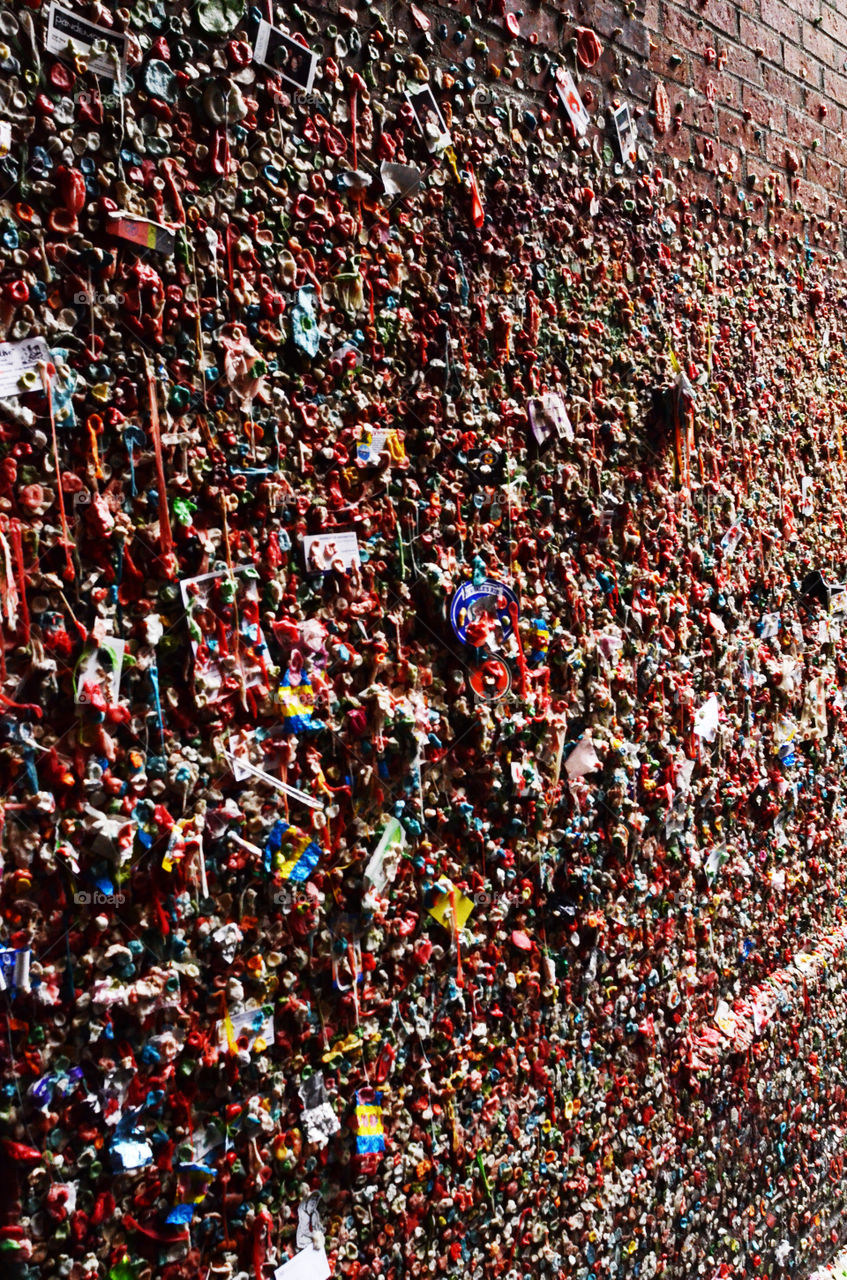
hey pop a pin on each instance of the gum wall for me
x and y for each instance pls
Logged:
(423, 675)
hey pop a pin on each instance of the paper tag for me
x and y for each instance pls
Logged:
(309, 1219)
(18, 358)
(142, 232)
(68, 34)
(382, 867)
(548, 416)
(370, 446)
(572, 102)
(400, 179)
(310, 1264)
(207, 1139)
(291, 60)
(220, 652)
(127, 1154)
(583, 759)
(242, 1025)
(327, 551)
(449, 897)
(627, 133)
(807, 484)
(94, 672)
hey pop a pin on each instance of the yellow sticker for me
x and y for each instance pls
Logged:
(441, 909)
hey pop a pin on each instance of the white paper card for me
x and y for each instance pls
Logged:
(243, 1024)
(371, 445)
(428, 117)
(67, 33)
(206, 602)
(310, 1264)
(582, 760)
(706, 719)
(627, 133)
(326, 551)
(101, 667)
(18, 358)
(572, 102)
(382, 867)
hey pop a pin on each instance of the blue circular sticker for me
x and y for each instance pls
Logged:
(480, 614)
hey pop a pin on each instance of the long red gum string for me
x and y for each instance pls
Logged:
(47, 372)
(165, 535)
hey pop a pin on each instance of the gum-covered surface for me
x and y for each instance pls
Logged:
(423, 682)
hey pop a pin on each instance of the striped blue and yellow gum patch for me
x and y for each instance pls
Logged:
(295, 855)
(302, 864)
(370, 1136)
(296, 705)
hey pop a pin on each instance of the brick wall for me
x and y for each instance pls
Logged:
(572, 1109)
(760, 83)
(756, 90)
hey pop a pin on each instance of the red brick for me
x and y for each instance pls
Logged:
(835, 147)
(835, 24)
(802, 129)
(809, 9)
(781, 18)
(731, 126)
(767, 111)
(639, 85)
(733, 159)
(821, 46)
(776, 151)
(721, 15)
(663, 63)
(740, 67)
(762, 172)
(832, 118)
(812, 198)
(755, 35)
(759, 169)
(607, 17)
(801, 64)
(834, 86)
(781, 86)
(674, 145)
(685, 29)
(824, 172)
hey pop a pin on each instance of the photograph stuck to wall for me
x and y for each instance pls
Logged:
(292, 61)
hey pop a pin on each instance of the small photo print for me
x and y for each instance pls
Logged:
(291, 60)
(429, 119)
(627, 134)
